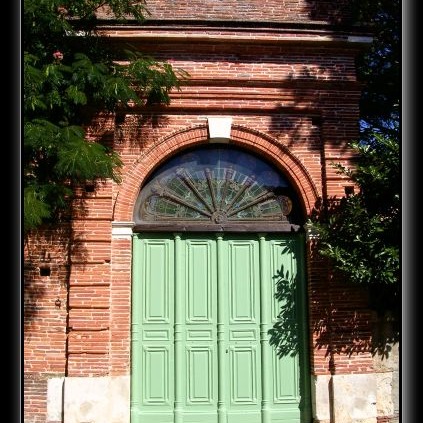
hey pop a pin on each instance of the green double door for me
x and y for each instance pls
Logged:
(202, 308)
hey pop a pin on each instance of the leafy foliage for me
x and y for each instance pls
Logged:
(379, 68)
(361, 233)
(68, 74)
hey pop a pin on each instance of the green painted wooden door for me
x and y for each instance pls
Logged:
(202, 309)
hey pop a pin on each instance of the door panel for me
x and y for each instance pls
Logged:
(198, 370)
(286, 387)
(241, 266)
(152, 331)
(202, 308)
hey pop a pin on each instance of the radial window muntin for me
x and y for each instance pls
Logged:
(216, 185)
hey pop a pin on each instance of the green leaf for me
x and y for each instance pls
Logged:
(82, 160)
(60, 96)
(35, 208)
(75, 95)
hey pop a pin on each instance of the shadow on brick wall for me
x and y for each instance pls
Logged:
(350, 319)
(48, 253)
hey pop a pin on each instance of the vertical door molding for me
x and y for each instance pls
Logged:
(265, 324)
(221, 342)
(179, 337)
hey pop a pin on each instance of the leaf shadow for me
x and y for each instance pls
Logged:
(284, 336)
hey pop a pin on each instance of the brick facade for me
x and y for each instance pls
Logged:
(293, 98)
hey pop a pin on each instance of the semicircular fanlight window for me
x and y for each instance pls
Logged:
(215, 184)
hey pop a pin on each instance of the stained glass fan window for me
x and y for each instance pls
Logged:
(215, 184)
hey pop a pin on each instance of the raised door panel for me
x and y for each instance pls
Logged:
(285, 276)
(289, 399)
(152, 328)
(198, 290)
(241, 268)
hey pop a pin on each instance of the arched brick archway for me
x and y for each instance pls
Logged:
(130, 279)
(255, 141)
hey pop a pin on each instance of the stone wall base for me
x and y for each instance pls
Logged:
(354, 398)
(345, 398)
(88, 400)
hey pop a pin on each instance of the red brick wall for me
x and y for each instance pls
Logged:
(35, 399)
(88, 340)
(44, 336)
(249, 10)
(388, 419)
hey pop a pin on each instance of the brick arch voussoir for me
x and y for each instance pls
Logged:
(148, 160)
(156, 154)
